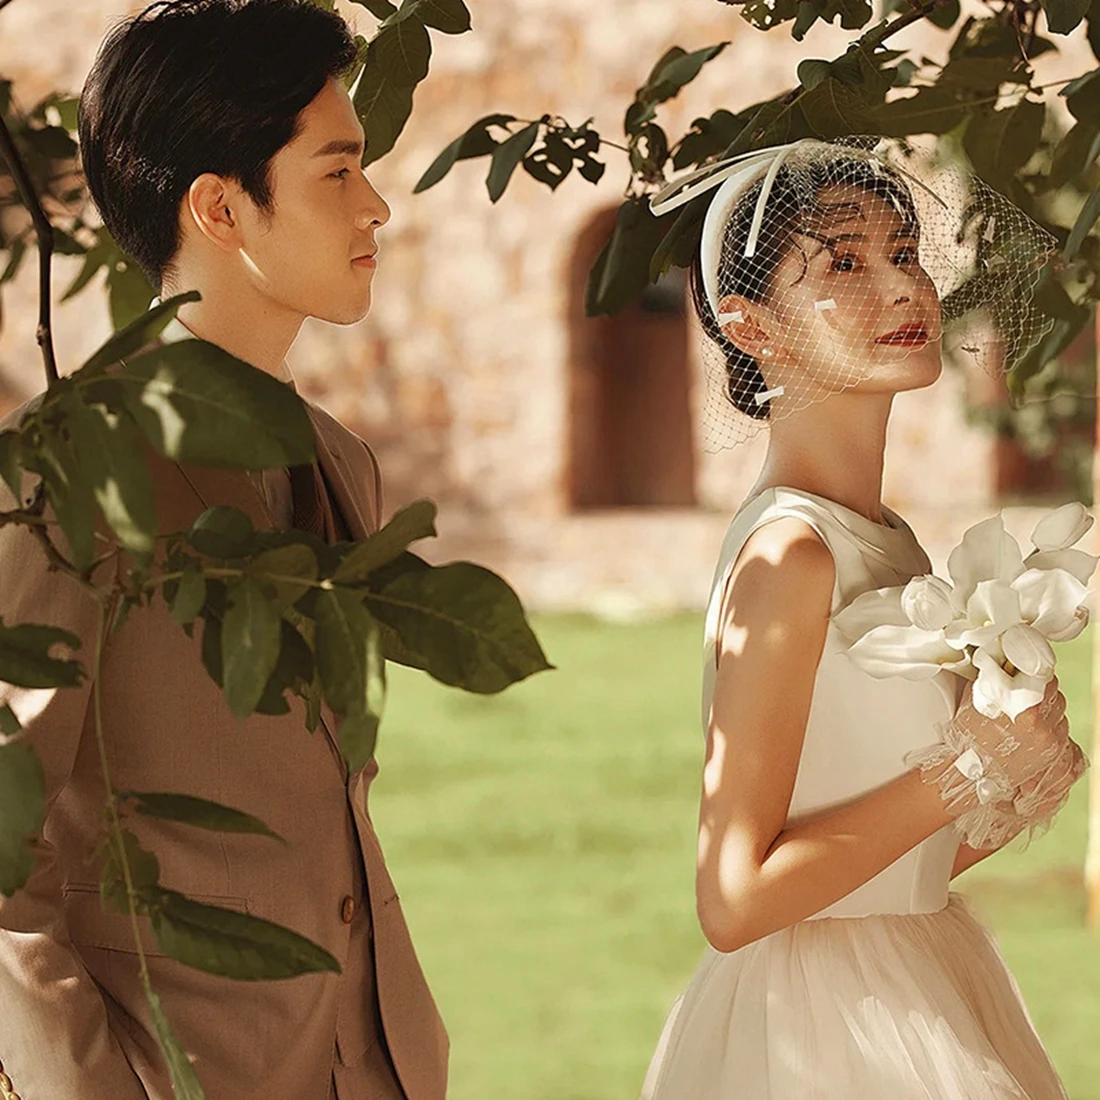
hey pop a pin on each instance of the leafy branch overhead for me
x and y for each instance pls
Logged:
(981, 100)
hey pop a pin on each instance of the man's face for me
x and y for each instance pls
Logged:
(314, 252)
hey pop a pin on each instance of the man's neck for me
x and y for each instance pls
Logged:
(242, 322)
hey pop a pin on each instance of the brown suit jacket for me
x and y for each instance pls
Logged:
(74, 1023)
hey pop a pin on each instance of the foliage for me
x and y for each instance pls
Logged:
(981, 100)
(281, 613)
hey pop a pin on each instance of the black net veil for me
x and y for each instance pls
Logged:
(825, 264)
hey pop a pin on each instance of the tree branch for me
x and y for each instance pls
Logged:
(44, 232)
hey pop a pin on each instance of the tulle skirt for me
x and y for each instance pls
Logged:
(913, 1007)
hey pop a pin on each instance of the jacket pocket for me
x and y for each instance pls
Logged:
(93, 924)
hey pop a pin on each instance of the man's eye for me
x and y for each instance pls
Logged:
(343, 173)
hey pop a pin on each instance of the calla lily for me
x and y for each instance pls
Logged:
(1060, 529)
(927, 602)
(990, 611)
(1075, 562)
(1028, 651)
(1049, 599)
(879, 607)
(995, 692)
(987, 552)
(905, 651)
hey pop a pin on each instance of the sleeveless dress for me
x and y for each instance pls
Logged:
(895, 992)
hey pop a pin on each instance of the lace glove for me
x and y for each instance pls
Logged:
(998, 777)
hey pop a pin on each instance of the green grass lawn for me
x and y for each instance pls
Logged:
(543, 843)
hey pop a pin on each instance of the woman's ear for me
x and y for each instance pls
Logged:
(742, 322)
(210, 201)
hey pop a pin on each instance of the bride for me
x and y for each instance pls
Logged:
(840, 967)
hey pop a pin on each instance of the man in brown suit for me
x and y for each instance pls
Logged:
(223, 153)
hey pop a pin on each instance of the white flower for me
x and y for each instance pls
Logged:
(996, 692)
(990, 611)
(906, 651)
(987, 553)
(1060, 529)
(1075, 562)
(1028, 650)
(926, 602)
(1052, 600)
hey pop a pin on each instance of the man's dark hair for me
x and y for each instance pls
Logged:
(194, 86)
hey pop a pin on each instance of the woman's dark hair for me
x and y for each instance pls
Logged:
(793, 197)
(194, 86)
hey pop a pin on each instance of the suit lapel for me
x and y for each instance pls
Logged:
(334, 467)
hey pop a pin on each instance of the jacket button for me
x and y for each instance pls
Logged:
(347, 910)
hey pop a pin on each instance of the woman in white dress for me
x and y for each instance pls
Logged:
(840, 967)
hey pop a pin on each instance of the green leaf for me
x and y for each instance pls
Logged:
(110, 448)
(11, 462)
(381, 9)
(233, 945)
(1083, 97)
(415, 522)
(95, 259)
(812, 71)
(288, 569)
(16, 251)
(475, 142)
(448, 16)
(185, 1083)
(348, 650)
(945, 16)
(507, 157)
(383, 108)
(143, 867)
(357, 734)
(197, 403)
(139, 333)
(402, 51)
(622, 270)
(461, 623)
(294, 670)
(250, 645)
(1063, 16)
(1075, 153)
(68, 487)
(222, 532)
(9, 723)
(1000, 143)
(190, 595)
(22, 813)
(673, 72)
(199, 812)
(1090, 212)
(931, 111)
(129, 291)
(25, 659)
(832, 110)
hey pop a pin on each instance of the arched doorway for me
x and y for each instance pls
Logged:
(630, 432)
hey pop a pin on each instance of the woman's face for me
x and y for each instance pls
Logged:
(850, 306)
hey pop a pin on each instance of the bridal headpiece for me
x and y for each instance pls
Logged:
(824, 264)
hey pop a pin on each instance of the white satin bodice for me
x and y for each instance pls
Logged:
(859, 728)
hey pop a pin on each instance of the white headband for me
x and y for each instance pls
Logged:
(736, 175)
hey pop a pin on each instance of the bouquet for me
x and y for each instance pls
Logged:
(992, 623)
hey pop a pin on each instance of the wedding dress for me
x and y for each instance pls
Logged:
(895, 992)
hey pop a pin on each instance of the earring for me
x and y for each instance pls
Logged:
(766, 352)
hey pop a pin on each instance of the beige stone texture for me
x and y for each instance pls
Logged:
(460, 377)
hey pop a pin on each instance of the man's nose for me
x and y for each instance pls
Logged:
(374, 209)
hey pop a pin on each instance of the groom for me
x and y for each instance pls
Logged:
(224, 155)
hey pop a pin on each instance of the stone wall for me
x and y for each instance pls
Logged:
(460, 378)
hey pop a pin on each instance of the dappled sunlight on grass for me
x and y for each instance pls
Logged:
(543, 842)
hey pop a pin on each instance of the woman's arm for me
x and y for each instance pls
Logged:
(967, 857)
(754, 875)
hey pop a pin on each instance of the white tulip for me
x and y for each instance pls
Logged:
(1061, 528)
(987, 552)
(906, 651)
(990, 611)
(1049, 601)
(927, 603)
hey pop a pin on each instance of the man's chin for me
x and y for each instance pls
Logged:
(347, 314)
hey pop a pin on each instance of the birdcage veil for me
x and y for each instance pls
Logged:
(824, 263)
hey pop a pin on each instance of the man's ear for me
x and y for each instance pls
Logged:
(210, 203)
(744, 324)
